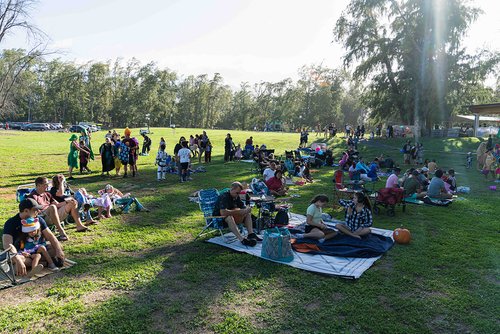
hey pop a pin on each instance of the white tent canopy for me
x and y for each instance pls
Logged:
(481, 118)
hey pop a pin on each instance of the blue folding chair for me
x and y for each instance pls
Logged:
(207, 200)
(7, 266)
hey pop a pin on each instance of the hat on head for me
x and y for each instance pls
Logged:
(127, 131)
(425, 169)
(29, 203)
(73, 137)
(108, 187)
(30, 225)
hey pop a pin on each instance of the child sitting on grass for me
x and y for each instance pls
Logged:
(316, 228)
(33, 244)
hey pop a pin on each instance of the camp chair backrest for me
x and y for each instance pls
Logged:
(259, 187)
(338, 179)
(207, 200)
(6, 266)
(24, 190)
(290, 166)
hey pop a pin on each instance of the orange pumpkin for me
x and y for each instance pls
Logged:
(401, 236)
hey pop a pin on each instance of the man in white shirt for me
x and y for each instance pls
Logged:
(269, 171)
(393, 179)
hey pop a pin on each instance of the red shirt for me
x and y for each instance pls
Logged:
(274, 183)
(44, 199)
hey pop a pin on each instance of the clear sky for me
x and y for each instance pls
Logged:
(244, 40)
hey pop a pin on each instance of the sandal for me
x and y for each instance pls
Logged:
(62, 238)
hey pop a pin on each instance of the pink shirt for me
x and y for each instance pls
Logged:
(392, 181)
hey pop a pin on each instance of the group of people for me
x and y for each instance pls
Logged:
(357, 220)
(27, 235)
(413, 153)
(488, 159)
(115, 152)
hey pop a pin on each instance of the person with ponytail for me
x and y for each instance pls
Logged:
(358, 216)
(315, 227)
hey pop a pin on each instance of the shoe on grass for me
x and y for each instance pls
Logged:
(249, 242)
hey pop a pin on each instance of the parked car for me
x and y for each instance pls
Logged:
(16, 125)
(36, 127)
(77, 128)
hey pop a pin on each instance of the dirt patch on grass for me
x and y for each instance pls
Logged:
(10, 197)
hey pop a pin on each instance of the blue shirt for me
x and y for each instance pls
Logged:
(435, 187)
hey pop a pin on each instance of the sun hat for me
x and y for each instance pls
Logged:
(73, 137)
(30, 225)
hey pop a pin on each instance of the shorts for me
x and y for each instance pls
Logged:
(61, 211)
(184, 165)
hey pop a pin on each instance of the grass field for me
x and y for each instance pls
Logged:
(144, 273)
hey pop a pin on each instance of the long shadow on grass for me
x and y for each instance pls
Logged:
(191, 279)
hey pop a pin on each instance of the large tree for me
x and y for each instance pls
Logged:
(411, 53)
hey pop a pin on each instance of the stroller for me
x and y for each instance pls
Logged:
(389, 198)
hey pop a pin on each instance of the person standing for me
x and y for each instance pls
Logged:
(227, 147)
(146, 144)
(107, 156)
(74, 148)
(184, 156)
(208, 152)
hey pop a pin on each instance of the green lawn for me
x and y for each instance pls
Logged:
(144, 273)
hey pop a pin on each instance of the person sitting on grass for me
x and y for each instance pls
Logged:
(118, 198)
(412, 186)
(276, 185)
(316, 228)
(358, 216)
(62, 192)
(393, 179)
(437, 188)
(231, 207)
(55, 211)
(13, 234)
(33, 244)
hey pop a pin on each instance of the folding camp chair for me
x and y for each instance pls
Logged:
(24, 190)
(7, 266)
(207, 200)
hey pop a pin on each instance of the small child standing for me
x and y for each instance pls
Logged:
(238, 154)
(469, 160)
(161, 161)
(184, 157)
(84, 157)
(33, 244)
(208, 151)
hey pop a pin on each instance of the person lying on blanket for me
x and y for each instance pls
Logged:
(358, 216)
(231, 207)
(316, 228)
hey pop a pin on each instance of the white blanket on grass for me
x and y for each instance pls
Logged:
(345, 267)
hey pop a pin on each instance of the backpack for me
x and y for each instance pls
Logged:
(281, 218)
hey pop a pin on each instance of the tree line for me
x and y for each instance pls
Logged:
(404, 62)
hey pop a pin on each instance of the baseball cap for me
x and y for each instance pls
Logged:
(29, 203)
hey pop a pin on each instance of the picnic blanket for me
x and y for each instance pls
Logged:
(5, 283)
(342, 266)
(371, 245)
